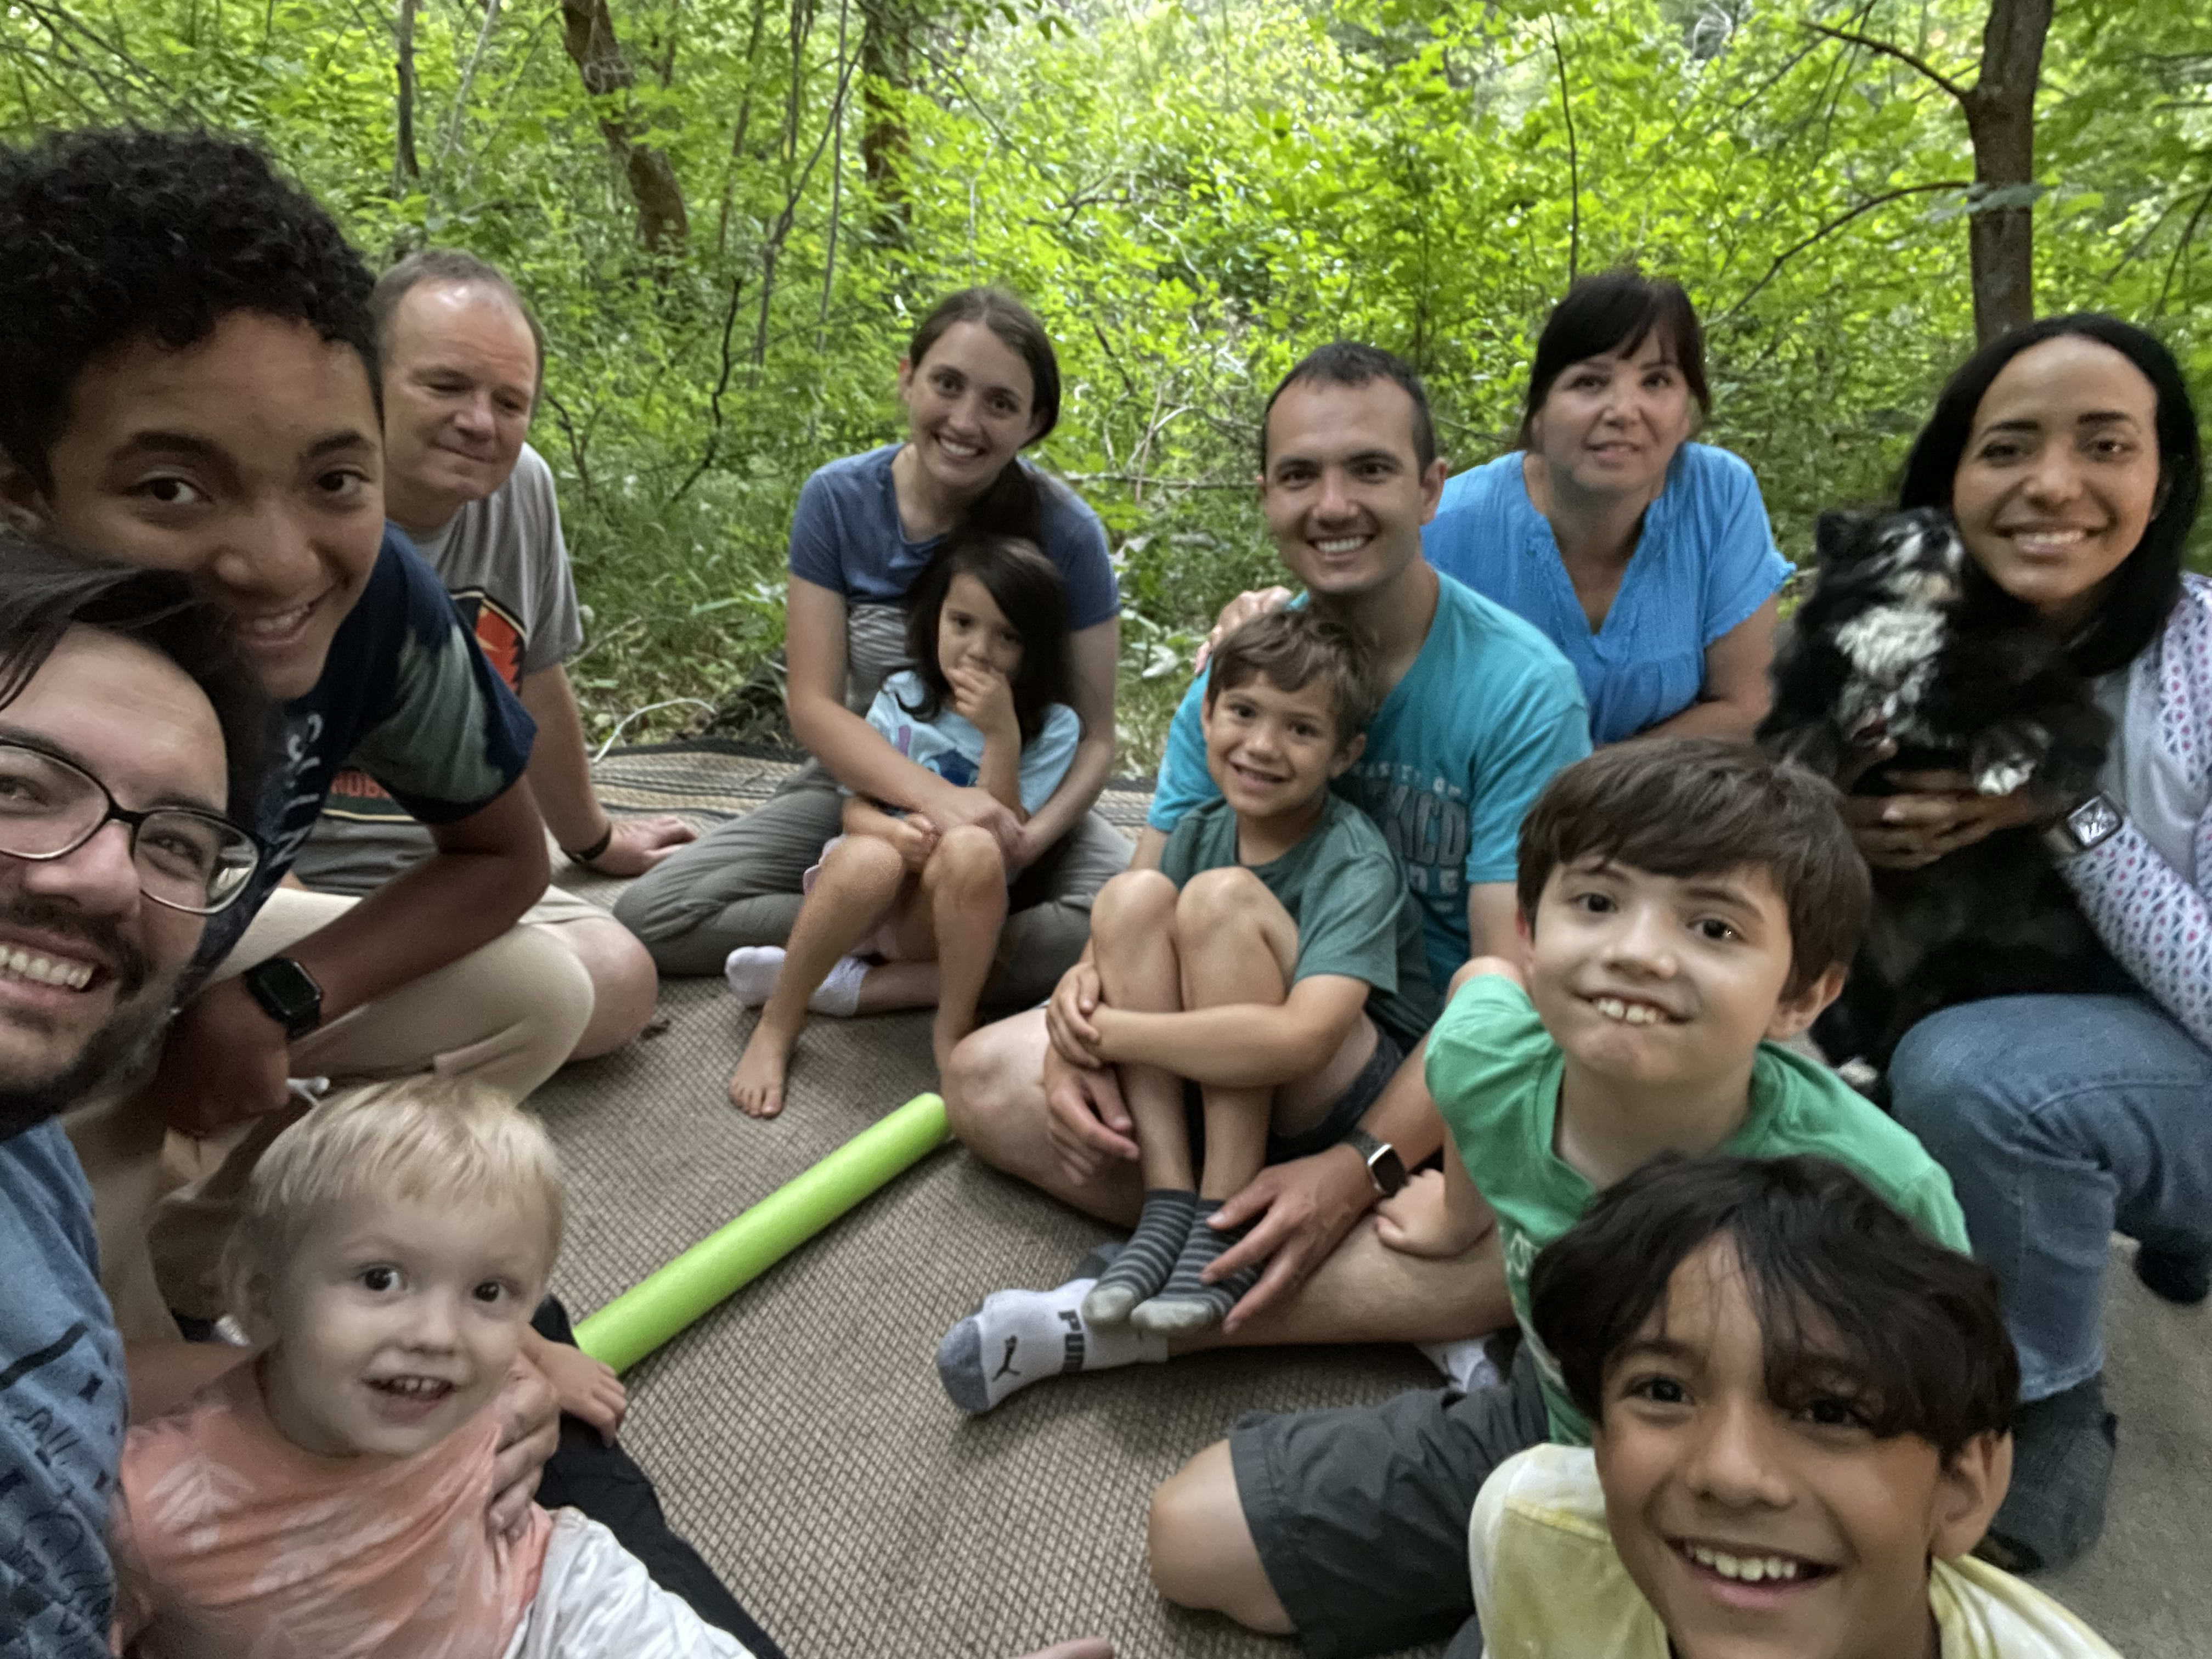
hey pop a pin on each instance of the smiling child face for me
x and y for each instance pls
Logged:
(1761, 1529)
(1657, 980)
(395, 1320)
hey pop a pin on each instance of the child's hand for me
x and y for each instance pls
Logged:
(585, 1386)
(1418, 1221)
(983, 698)
(915, 837)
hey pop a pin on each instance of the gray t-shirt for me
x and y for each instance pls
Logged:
(503, 561)
(1343, 887)
(62, 1407)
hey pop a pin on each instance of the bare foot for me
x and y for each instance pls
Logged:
(757, 1086)
(585, 1386)
(1418, 1221)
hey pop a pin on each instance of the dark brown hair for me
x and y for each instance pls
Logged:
(451, 267)
(1610, 315)
(1853, 1300)
(2148, 583)
(1701, 806)
(44, 592)
(1026, 587)
(1294, 646)
(1348, 362)
(1013, 504)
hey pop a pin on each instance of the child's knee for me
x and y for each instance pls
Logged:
(1214, 899)
(1197, 1535)
(968, 855)
(1140, 899)
(866, 861)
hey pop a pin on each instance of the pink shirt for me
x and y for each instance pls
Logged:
(230, 1541)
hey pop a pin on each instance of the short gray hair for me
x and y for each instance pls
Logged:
(450, 266)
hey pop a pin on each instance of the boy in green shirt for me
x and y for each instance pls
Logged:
(1687, 906)
(1272, 960)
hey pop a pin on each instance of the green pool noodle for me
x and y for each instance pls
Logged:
(648, 1314)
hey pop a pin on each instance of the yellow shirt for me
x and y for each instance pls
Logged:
(1549, 1586)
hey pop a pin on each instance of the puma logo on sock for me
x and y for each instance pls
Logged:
(1072, 1361)
(1006, 1366)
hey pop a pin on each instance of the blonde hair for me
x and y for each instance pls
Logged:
(416, 1138)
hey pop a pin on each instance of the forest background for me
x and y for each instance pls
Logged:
(730, 213)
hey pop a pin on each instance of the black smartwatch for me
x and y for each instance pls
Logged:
(1384, 1167)
(288, 994)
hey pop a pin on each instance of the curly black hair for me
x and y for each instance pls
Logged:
(110, 236)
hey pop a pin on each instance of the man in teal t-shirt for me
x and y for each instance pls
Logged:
(1479, 711)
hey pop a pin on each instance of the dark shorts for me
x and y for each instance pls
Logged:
(1338, 1122)
(1360, 1513)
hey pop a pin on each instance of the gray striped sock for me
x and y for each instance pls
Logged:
(1185, 1304)
(1146, 1261)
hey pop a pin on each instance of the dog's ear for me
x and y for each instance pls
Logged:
(1838, 534)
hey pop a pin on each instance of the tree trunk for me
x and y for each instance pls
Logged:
(887, 66)
(2001, 120)
(587, 30)
(405, 168)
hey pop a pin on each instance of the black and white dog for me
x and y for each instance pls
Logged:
(1901, 635)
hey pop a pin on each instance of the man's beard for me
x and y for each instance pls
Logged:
(110, 1053)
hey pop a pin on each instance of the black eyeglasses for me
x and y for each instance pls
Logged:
(186, 859)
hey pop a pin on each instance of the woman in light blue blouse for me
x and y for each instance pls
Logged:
(1647, 559)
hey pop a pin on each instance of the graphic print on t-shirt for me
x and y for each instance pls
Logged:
(503, 639)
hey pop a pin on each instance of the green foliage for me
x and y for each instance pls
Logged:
(1192, 192)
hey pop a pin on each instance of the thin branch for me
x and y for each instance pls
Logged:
(2181, 248)
(1156, 483)
(1834, 224)
(1886, 50)
(468, 82)
(1574, 161)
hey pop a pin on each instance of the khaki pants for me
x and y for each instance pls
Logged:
(507, 1014)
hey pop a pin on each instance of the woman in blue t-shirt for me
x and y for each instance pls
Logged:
(1645, 558)
(980, 383)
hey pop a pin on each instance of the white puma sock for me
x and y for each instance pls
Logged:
(1018, 1337)
(753, 970)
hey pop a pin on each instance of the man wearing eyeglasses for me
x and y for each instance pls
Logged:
(118, 703)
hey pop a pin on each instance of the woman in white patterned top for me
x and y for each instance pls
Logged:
(2068, 453)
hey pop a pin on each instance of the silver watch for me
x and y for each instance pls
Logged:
(2091, 823)
(1385, 1169)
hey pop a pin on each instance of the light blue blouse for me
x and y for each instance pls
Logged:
(1705, 561)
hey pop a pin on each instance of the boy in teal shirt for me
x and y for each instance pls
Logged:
(1274, 960)
(1686, 908)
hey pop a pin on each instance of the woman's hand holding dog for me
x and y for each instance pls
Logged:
(1933, 814)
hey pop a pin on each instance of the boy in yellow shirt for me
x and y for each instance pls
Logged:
(1800, 1406)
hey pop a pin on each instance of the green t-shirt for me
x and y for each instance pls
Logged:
(1494, 1073)
(1345, 890)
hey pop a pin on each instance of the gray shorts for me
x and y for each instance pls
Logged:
(1360, 1513)
(1340, 1120)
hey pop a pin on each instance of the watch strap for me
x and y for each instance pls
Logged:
(2090, 824)
(287, 993)
(1386, 1171)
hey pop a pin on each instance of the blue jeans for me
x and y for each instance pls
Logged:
(2062, 1120)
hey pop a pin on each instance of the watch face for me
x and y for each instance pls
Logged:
(2096, 819)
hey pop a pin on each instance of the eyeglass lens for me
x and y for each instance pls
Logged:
(188, 860)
